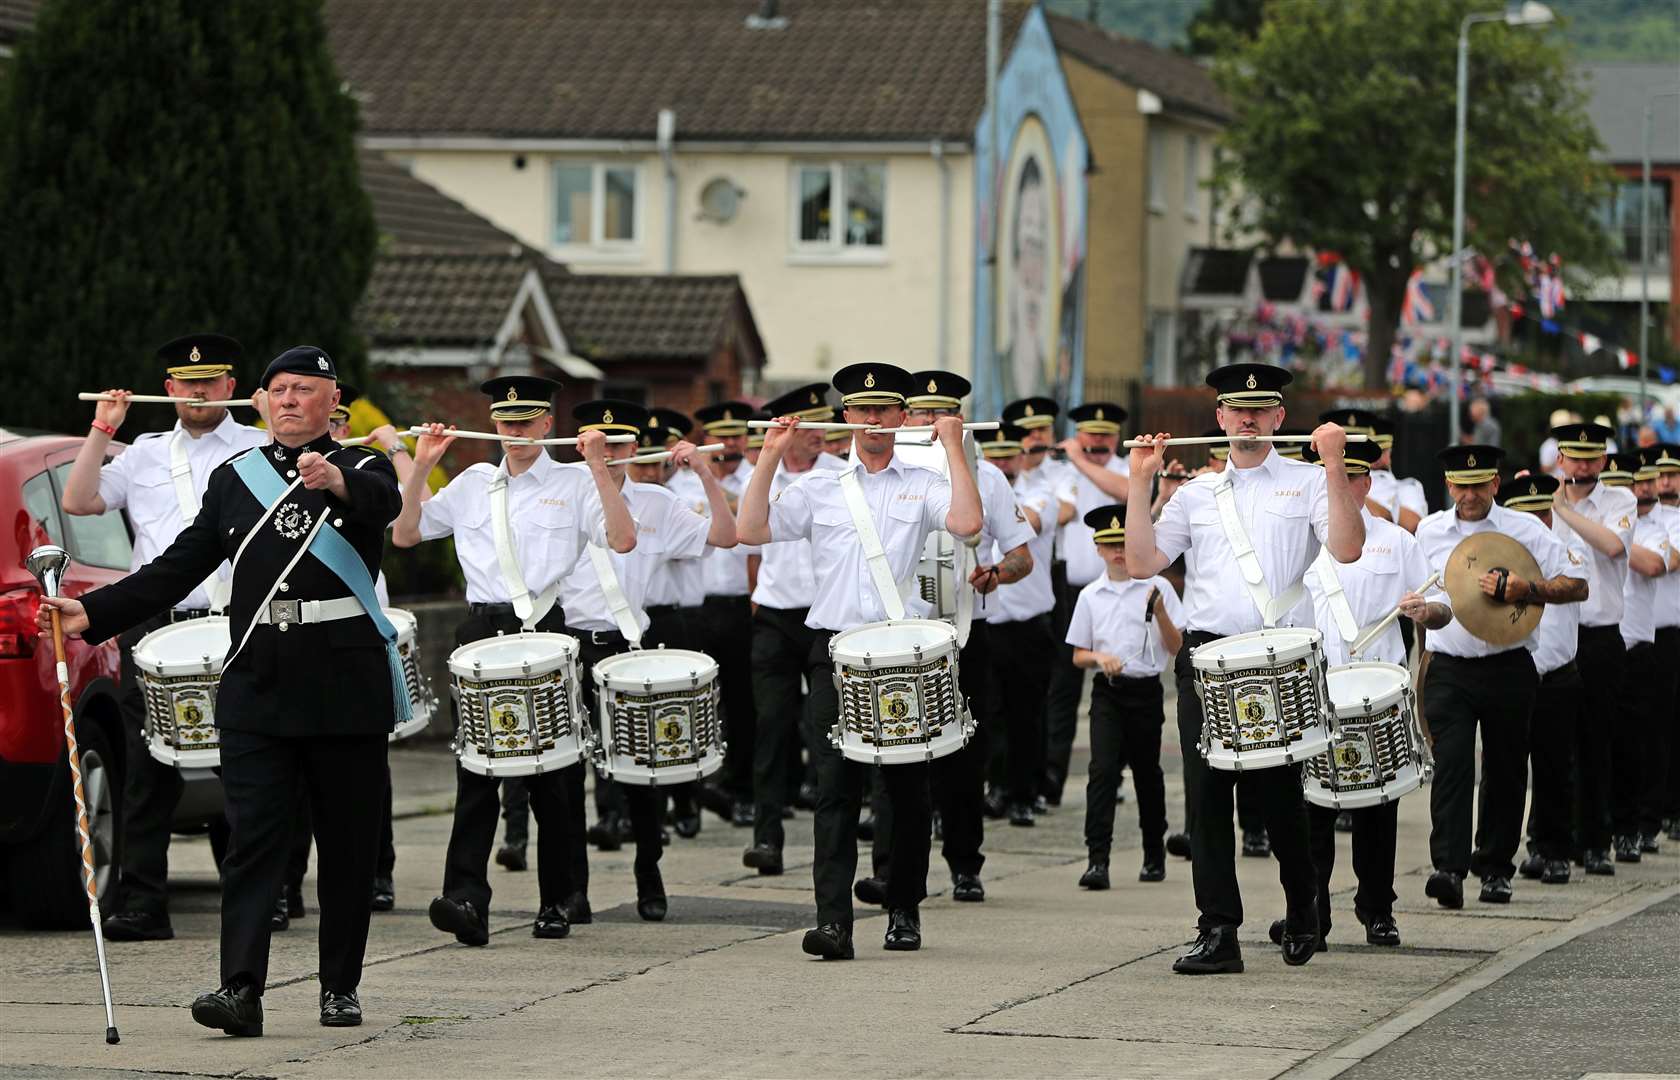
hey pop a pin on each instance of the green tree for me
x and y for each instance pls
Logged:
(1343, 142)
(169, 166)
(1222, 23)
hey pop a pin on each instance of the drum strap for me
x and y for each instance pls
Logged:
(1334, 595)
(1271, 608)
(886, 587)
(180, 473)
(530, 612)
(617, 603)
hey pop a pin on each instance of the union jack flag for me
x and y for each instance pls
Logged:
(1417, 307)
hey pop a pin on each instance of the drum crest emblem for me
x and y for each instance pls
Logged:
(292, 521)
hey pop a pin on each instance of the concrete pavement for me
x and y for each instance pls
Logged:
(1041, 979)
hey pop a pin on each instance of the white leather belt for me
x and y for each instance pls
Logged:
(287, 613)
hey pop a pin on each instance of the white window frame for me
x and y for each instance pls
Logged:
(598, 169)
(1156, 181)
(801, 251)
(1192, 178)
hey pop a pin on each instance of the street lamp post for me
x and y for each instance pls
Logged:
(1531, 13)
(1645, 247)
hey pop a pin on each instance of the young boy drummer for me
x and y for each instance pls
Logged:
(1127, 630)
(520, 528)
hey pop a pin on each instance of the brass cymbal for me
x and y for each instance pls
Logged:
(1495, 622)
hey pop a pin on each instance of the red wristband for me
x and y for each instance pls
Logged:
(100, 425)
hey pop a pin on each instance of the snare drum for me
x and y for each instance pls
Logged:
(1264, 701)
(421, 701)
(1378, 752)
(899, 698)
(658, 712)
(180, 669)
(517, 707)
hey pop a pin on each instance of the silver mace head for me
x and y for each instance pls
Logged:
(47, 563)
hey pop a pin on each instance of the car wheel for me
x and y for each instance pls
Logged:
(46, 873)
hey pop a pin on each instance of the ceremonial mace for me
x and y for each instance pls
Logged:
(47, 563)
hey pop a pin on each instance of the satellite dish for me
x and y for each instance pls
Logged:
(720, 200)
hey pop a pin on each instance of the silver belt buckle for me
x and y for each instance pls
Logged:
(283, 612)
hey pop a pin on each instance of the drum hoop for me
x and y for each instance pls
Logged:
(1207, 658)
(699, 671)
(1396, 695)
(546, 665)
(148, 663)
(840, 653)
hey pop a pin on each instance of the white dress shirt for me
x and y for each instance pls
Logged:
(1394, 493)
(138, 480)
(1556, 638)
(1390, 566)
(906, 503)
(1639, 608)
(1284, 505)
(786, 577)
(1109, 618)
(1615, 509)
(726, 568)
(1667, 604)
(687, 577)
(1033, 595)
(1063, 479)
(1084, 565)
(1004, 528)
(666, 528)
(553, 511)
(1441, 532)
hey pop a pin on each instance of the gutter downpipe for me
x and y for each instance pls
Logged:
(944, 348)
(667, 132)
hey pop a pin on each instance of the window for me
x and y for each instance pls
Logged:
(841, 207)
(1621, 218)
(594, 205)
(1192, 174)
(97, 539)
(40, 503)
(1157, 171)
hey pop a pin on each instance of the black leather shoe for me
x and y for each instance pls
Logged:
(787, 813)
(904, 930)
(871, 890)
(294, 902)
(806, 799)
(511, 857)
(765, 858)
(1674, 828)
(1095, 876)
(1648, 844)
(1041, 805)
(830, 941)
(743, 815)
(1256, 844)
(384, 896)
(996, 806)
(279, 919)
(1598, 862)
(1154, 869)
(137, 926)
(1279, 929)
(1178, 844)
(1379, 929)
(1215, 952)
(1532, 867)
(1556, 872)
(866, 827)
(686, 822)
(460, 918)
(578, 912)
(1021, 815)
(552, 922)
(234, 1010)
(651, 904)
(605, 833)
(1344, 821)
(1496, 889)
(1627, 849)
(340, 1010)
(1446, 887)
(1299, 948)
(1053, 797)
(967, 888)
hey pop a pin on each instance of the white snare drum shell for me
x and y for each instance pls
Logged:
(180, 671)
(517, 704)
(900, 702)
(422, 703)
(659, 720)
(1377, 753)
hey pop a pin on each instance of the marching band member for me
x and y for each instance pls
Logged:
(1401, 497)
(160, 479)
(1290, 509)
(1472, 683)
(838, 443)
(1597, 519)
(310, 691)
(1126, 630)
(1667, 811)
(904, 503)
(519, 528)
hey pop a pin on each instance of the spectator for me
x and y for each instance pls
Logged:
(1668, 428)
(1484, 429)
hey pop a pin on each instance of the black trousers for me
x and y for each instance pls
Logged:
(1660, 734)
(1250, 816)
(1126, 721)
(1212, 845)
(297, 862)
(478, 801)
(150, 793)
(1067, 686)
(1551, 759)
(1374, 832)
(1638, 709)
(727, 623)
(840, 792)
(1022, 654)
(781, 646)
(1602, 660)
(343, 778)
(645, 806)
(1496, 693)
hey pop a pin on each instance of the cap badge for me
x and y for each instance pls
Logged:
(194, 355)
(933, 386)
(321, 362)
(727, 415)
(1114, 522)
(1252, 382)
(814, 399)
(513, 394)
(1533, 489)
(1583, 435)
(1099, 412)
(653, 422)
(606, 417)
(1029, 411)
(1350, 422)
(869, 379)
(1470, 461)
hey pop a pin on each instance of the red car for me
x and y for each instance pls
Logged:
(39, 852)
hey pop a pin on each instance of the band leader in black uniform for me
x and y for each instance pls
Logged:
(307, 703)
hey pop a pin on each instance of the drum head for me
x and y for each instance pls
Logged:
(656, 669)
(1353, 685)
(185, 648)
(404, 622)
(1257, 649)
(894, 639)
(512, 655)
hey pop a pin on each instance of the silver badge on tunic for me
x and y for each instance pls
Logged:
(292, 521)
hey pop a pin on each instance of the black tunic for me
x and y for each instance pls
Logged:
(328, 678)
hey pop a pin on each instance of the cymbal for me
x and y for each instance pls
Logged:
(1495, 622)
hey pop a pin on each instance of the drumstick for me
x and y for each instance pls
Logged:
(1364, 640)
(657, 456)
(491, 436)
(163, 399)
(1203, 440)
(820, 425)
